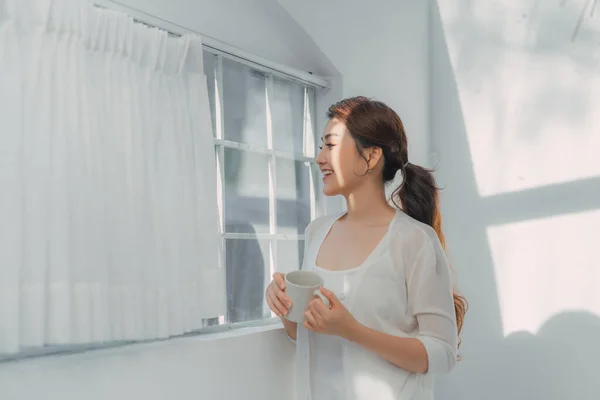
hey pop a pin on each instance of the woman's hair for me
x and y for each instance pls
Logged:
(374, 124)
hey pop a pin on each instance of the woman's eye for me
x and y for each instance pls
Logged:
(329, 145)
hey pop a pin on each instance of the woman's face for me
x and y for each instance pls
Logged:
(342, 166)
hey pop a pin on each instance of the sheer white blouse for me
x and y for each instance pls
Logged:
(404, 288)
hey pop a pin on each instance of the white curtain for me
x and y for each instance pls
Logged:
(108, 214)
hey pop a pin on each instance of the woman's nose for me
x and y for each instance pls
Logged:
(320, 158)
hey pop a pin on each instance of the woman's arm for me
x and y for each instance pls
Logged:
(407, 353)
(430, 300)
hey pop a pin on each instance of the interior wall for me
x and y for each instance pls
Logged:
(383, 55)
(515, 88)
(250, 365)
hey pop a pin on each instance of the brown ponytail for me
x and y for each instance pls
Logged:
(372, 123)
(419, 197)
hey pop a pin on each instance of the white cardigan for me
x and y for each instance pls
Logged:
(404, 288)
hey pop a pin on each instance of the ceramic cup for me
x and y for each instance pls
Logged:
(301, 288)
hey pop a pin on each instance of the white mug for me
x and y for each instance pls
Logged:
(302, 287)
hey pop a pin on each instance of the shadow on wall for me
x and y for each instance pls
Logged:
(560, 361)
(462, 209)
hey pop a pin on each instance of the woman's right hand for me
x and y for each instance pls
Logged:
(277, 300)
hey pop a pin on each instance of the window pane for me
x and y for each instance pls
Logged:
(210, 60)
(293, 196)
(289, 255)
(244, 104)
(312, 134)
(246, 192)
(287, 107)
(317, 179)
(248, 271)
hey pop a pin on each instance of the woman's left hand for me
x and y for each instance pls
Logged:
(329, 320)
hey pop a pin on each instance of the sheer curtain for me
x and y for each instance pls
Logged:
(108, 213)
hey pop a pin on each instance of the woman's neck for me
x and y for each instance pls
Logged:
(368, 204)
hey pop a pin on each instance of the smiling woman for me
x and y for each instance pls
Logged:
(393, 319)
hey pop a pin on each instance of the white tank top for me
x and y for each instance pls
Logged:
(326, 366)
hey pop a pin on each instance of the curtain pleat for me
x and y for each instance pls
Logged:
(107, 172)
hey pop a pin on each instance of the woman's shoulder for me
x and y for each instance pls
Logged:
(410, 232)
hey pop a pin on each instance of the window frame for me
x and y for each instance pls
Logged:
(307, 156)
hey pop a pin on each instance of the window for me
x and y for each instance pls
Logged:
(264, 131)
(111, 232)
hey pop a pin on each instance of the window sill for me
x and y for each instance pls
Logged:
(215, 333)
(236, 330)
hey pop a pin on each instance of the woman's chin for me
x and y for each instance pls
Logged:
(330, 191)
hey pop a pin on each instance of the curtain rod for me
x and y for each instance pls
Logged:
(214, 45)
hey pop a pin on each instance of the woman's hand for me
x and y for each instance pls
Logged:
(329, 320)
(277, 300)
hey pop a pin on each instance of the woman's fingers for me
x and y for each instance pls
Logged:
(279, 279)
(276, 304)
(285, 300)
(310, 320)
(316, 312)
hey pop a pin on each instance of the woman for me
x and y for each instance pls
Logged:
(393, 319)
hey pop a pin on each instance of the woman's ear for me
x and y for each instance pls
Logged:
(373, 155)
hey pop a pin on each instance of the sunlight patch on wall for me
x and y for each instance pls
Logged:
(529, 90)
(545, 267)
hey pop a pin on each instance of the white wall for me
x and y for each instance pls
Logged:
(515, 124)
(251, 366)
(380, 49)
